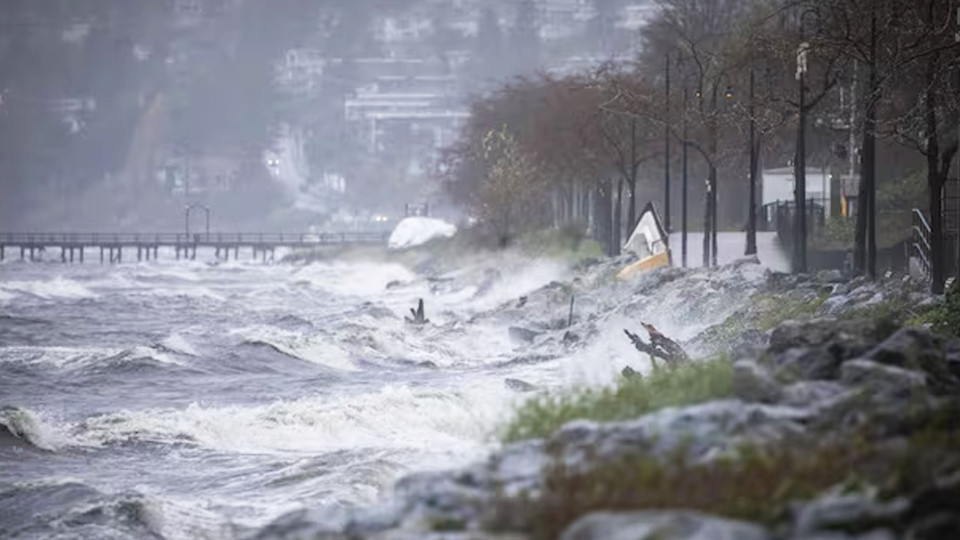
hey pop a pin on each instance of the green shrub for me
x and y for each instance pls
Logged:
(695, 382)
(945, 318)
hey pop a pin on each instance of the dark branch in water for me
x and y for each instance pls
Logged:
(418, 315)
(660, 346)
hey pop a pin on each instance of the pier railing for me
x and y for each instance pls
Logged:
(202, 239)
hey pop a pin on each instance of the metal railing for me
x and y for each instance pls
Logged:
(173, 239)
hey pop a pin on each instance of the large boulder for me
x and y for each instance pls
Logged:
(660, 525)
(920, 350)
(815, 349)
(752, 382)
(704, 431)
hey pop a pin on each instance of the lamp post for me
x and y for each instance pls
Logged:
(752, 204)
(800, 163)
(683, 196)
(666, 160)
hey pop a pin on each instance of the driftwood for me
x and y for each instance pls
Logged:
(418, 315)
(660, 346)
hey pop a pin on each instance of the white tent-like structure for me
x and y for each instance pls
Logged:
(648, 242)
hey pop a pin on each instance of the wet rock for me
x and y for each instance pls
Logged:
(751, 382)
(942, 526)
(443, 534)
(570, 338)
(877, 534)
(519, 386)
(660, 525)
(889, 380)
(929, 507)
(815, 349)
(812, 393)
(394, 284)
(630, 373)
(704, 431)
(918, 349)
(522, 335)
(850, 512)
(829, 276)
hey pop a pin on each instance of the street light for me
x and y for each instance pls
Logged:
(800, 165)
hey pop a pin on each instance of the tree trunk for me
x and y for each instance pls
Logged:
(618, 218)
(714, 212)
(935, 179)
(869, 152)
(935, 184)
(706, 226)
(603, 206)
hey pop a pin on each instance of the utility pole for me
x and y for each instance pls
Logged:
(752, 218)
(956, 39)
(683, 197)
(870, 150)
(666, 160)
(800, 163)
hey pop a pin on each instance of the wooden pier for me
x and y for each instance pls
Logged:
(73, 246)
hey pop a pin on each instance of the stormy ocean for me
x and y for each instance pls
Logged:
(175, 399)
(192, 399)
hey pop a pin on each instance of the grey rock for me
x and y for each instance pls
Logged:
(876, 534)
(890, 380)
(519, 385)
(704, 431)
(829, 276)
(660, 525)
(522, 335)
(812, 393)
(420, 534)
(630, 373)
(918, 349)
(940, 526)
(847, 512)
(752, 382)
(815, 349)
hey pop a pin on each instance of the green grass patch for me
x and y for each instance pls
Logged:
(695, 382)
(757, 483)
(945, 317)
(774, 309)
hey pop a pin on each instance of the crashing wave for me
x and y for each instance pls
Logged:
(18, 426)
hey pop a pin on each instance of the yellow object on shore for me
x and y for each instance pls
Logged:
(645, 265)
(648, 242)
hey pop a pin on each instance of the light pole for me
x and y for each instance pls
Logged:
(752, 205)
(683, 197)
(800, 163)
(666, 160)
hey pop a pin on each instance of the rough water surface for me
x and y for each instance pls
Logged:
(193, 399)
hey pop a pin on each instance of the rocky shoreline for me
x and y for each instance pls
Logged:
(842, 423)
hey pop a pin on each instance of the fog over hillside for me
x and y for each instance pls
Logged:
(284, 114)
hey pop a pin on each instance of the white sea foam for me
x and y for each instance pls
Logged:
(177, 343)
(316, 349)
(398, 417)
(353, 278)
(35, 429)
(56, 288)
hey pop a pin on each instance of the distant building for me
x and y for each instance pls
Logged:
(778, 186)
(300, 71)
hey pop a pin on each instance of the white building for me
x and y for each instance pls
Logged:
(778, 186)
(300, 72)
